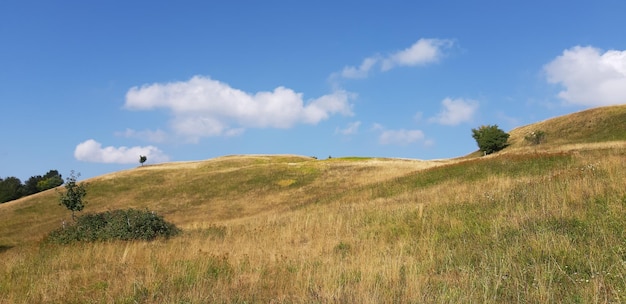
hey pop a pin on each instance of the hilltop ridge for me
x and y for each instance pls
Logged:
(602, 124)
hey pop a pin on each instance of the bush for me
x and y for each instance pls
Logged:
(490, 138)
(536, 137)
(123, 225)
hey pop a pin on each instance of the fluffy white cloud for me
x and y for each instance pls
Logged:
(400, 137)
(92, 151)
(352, 128)
(202, 106)
(423, 51)
(455, 111)
(589, 77)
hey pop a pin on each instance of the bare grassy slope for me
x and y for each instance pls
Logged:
(604, 124)
(200, 193)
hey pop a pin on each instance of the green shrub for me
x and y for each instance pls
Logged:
(123, 225)
(536, 137)
(490, 138)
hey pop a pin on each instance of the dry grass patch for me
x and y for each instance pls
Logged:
(538, 227)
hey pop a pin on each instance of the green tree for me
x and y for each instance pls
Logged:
(50, 180)
(10, 189)
(490, 138)
(142, 159)
(31, 185)
(74, 196)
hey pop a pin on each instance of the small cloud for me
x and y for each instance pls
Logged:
(400, 137)
(202, 107)
(361, 71)
(352, 128)
(377, 127)
(234, 132)
(92, 151)
(455, 111)
(422, 52)
(157, 136)
(589, 76)
(418, 116)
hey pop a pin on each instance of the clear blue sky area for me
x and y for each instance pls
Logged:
(91, 85)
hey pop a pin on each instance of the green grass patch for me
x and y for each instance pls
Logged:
(515, 165)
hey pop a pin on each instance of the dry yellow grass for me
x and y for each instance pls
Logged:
(356, 247)
(539, 225)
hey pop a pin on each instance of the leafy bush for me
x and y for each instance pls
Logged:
(490, 138)
(124, 225)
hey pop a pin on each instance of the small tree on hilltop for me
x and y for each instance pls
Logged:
(142, 159)
(490, 138)
(73, 198)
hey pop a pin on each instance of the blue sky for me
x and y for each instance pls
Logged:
(91, 85)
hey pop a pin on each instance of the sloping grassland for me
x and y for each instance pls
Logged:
(541, 224)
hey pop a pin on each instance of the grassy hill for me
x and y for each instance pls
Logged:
(536, 224)
(597, 125)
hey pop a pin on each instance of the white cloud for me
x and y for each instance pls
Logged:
(422, 52)
(361, 71)
(352, 128)
(377, 127)
(157, 136)
(455, 111)
(400, 137)
(203, 107)
(589, 77)
(92, 151)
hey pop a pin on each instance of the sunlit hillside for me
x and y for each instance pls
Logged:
(597, 125)
(533, 223)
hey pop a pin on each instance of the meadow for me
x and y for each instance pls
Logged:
(531, 224)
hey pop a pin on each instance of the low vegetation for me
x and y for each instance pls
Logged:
(533, 223)
(124, 225)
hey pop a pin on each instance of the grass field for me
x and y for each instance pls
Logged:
(532, 224)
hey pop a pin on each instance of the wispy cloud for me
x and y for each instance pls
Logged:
(397, 137)
(422, 52)
(352, 128)
(92, 151)
(400, 137)
(590, 77)
(360, 71)
(157, 136)
(202, 107)
(455, 111)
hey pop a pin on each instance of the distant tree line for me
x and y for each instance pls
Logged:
(11, 188)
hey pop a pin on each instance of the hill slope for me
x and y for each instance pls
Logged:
(604, 124)
(215, 190)
(532, 224)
